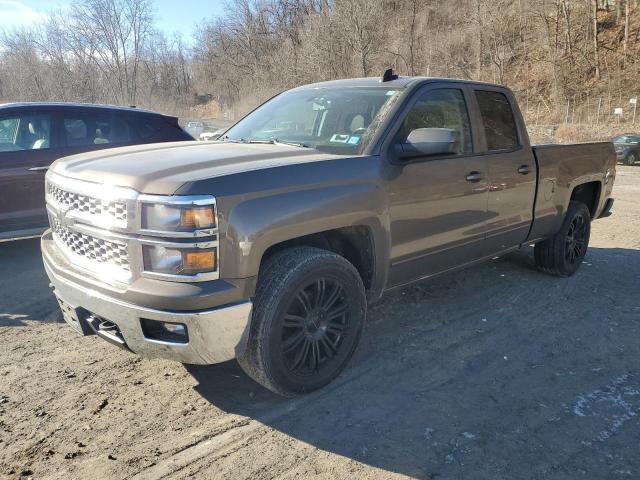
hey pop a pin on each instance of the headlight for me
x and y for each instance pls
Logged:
(179, 261)
(177, 218)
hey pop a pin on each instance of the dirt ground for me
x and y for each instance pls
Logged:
(491, 373)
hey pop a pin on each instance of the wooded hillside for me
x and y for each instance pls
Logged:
(569, 61)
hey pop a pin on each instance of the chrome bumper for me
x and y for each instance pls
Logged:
(215, 335)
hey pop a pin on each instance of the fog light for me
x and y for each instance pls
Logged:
(164, 331)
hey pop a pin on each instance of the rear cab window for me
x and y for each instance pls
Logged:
(498, 122)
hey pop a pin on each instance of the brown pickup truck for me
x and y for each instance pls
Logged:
(268, 244)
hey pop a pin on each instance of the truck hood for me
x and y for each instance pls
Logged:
(163, 168)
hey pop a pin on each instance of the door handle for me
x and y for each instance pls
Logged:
(38, 169)
(524, 169)
(474, 177)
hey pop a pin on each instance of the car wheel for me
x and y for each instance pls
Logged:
(309, 311)
(631, 159)
(562, 254)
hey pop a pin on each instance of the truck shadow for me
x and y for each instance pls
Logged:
(473, 368)
(24, 286)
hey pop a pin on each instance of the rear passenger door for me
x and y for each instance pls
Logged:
(511, 169)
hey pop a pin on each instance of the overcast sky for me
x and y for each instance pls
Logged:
(171, 15)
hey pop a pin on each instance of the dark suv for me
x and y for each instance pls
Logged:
(33, 135)
(627, 148)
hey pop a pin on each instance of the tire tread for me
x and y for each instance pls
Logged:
(549, 254)
(273, 278)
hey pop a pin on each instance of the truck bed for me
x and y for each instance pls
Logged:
(560, 168)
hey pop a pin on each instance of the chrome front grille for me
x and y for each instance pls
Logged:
(90, 248)
(83, 205)
(99, 229)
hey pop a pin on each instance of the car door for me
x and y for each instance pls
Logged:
(438, 204)
(27, 148)
(511, 170)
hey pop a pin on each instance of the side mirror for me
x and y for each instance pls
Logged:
(428, 141)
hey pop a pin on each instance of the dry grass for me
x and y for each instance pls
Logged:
(578, 133)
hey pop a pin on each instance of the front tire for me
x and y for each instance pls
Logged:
(631, 159)
(562, 254)
(309, 311)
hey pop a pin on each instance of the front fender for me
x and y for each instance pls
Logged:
(252, 226)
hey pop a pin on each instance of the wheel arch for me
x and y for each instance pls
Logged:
(589, 194)
(354, 243)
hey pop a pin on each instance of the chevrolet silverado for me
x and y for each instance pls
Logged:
(267, 244)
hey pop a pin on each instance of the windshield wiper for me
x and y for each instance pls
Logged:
(276, 141)
(226, 138)
(266, 141)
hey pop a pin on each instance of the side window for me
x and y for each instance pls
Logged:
(147, 129)
(497, 118)
(442, 108)
(25, 132)
(81, 130)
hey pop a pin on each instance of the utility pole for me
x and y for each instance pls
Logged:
(595, 37)
(626, 33)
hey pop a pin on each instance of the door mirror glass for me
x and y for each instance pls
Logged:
(429, 141)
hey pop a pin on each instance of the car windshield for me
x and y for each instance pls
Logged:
(627, 139)
(333, 120)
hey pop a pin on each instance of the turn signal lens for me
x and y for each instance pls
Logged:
(198, 217)
(204, 261)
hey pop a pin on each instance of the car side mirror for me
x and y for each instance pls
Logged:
(428, 141)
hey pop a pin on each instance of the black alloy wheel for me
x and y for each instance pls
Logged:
(308, 314)
(576, 239)
(314, 326)
(563, 253)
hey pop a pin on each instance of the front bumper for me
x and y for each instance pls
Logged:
(214, 335)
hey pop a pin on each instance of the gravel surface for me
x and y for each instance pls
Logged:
(494, 372)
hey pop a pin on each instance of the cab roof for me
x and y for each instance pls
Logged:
(76, 106)
(399, 83)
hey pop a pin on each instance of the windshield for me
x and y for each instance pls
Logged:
(340, 120)
(627, 139)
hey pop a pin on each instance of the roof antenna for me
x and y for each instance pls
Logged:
(389, 75)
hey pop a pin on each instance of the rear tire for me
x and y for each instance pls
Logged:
(631, 159)
(562, 254)
(308, 314)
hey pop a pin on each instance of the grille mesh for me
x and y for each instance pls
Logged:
(88, 205)
(96, 249)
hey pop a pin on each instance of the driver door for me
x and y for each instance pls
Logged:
(438, 203)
